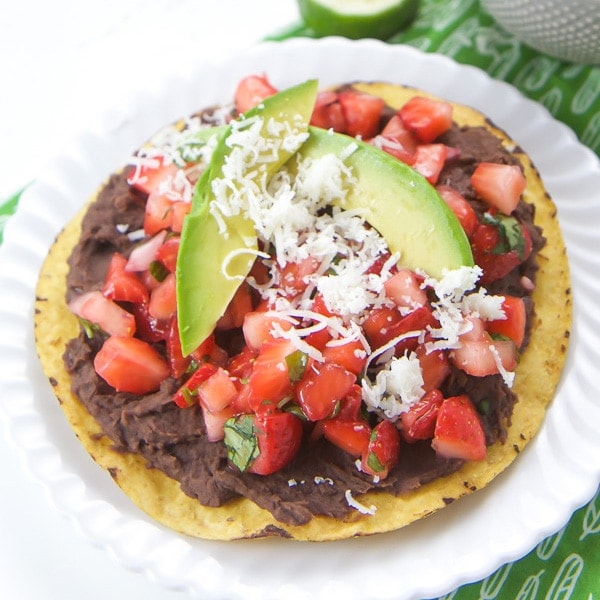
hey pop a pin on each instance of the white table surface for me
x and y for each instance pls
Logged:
(61, 64)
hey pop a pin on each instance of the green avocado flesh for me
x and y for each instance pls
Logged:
(397, 201)
(217, 252)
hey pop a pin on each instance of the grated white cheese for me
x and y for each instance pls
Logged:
(361, 508)
(455, 304)
(296, 337)
(177, 187)
(396, 388)
(319, 480)
(507, 376)
(481, 304)
(136, 235)
(322, 180)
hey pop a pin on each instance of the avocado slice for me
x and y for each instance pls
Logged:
(397, 201)
(218, 249)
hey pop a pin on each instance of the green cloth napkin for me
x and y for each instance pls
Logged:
(7, 208)
(565, 565)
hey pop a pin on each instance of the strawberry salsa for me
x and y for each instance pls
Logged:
(334, 369)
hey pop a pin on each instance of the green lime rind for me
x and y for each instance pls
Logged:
(370, 22)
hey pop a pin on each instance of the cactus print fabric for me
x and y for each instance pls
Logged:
(564, 566)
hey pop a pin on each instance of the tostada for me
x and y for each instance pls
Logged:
(309, 314)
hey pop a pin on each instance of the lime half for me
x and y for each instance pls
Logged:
(357, 18)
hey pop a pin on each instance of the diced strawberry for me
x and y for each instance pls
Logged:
(258, 325)
(243, 402)
(429, 161)
(240, 305)
(148, 177)
(261, 274)
(323, 385)
(321, 335)
(404, 288)
(350, 355)
(319, 338)
(319, 306)
(215, 422)
(240, 365)
(178, 363)
(362, 113)
(485, 357)
(495, 264)
(148, 328)
(130, 365)
(435, 367)
(396, 128)
(494, 253)
(205, 349)
(121, 285)
(279, 435)
(163, 299)
(186, 395)
(179, 210)
(393, 325)
(217, 391)
(380, 324)
(251, 91)
(106, 314)
(377, 266)
(351, 404)
(159, 213)
(474, 330)
(460, 207)
(396, 139)
(142, 255)
(418, 423)
(513, 326)
(219, 356)
(458, 431)
(294, 275)
(383, 450)
(148, 279)
(269, 381)
(427, 117)
(351, 436)
(166, 254)
(328, 113)
(499, 185)
(417, 320)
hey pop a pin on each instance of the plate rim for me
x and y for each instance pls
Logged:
(70, 157)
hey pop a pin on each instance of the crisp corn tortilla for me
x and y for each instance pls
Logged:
(161, 497)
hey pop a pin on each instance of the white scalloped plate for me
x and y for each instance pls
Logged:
(557, 472)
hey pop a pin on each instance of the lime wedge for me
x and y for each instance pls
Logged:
(357, 18)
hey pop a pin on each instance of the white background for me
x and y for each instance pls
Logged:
(62, 64)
